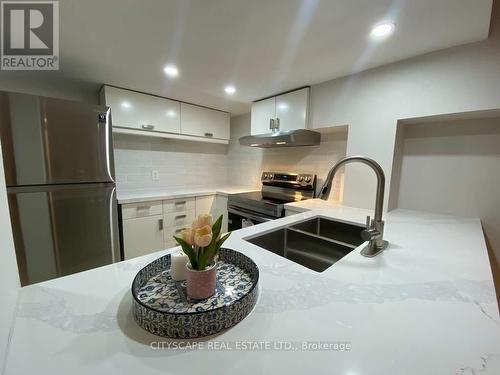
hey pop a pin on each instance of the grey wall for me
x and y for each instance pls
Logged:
(453, 167)
(49, 84)
(455, 80)
(459, 79)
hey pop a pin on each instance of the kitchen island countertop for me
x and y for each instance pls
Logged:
(426, 305)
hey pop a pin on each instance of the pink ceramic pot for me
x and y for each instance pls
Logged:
(201, 284)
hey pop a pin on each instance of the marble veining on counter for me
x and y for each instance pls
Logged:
(316, 204)
(425, 305)
(145, 195)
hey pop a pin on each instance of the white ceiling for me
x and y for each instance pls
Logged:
(261, 46)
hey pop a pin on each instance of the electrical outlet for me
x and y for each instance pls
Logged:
(155, 175)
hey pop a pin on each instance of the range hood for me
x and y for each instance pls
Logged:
(290, 138)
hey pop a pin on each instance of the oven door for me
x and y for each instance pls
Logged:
(239, 218)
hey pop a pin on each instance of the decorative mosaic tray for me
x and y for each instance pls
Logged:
(161, 305)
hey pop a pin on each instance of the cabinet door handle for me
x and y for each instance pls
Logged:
(143, 207)
(179, 230)
(160, 224)
(277, 126)
(180, 203)
(271, 123)
(209, 134)
(180, 217)
(148, 127)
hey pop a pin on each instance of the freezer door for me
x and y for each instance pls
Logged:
(63, 229)
(52, 141)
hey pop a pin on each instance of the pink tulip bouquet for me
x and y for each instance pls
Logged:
(201, 242)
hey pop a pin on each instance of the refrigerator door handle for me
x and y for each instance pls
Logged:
(113, 224)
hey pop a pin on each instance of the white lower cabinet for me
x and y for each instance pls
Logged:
(178, 219)
(178, 214)
(221, 209)
(142, 235)
(170, 232)
(178, 205)
(150, 226)
(142, 209)
(205, 205)
(214, 205)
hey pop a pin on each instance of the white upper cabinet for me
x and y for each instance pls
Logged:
(262, 113)
(204, 122)
(134, 110)
(142, 114)
(290, 110)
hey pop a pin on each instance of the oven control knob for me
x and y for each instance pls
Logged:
(308, 179)
(301, 178)
(265, 176)
(271, 176)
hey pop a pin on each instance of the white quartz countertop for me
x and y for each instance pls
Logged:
(144, 195)
(426, 305)
(318, 204)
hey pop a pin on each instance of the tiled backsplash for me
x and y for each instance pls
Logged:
(197, 164)
(178, 163)
(245, 163)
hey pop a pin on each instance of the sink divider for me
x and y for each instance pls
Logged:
(316, 243)
(318, 236)
(326, 260)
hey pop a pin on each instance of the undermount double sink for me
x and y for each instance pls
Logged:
(316, 243)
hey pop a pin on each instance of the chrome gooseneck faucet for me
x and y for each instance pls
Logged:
(374, 232)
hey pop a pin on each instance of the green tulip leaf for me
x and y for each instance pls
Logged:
(216, 227)
(188, 250)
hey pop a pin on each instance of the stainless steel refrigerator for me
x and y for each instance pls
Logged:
(58, 161)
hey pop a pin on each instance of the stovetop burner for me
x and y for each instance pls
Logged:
(277, 190)
(260, 197)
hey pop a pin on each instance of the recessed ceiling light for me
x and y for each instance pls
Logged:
(382, 30)
(171, 113)
(171, 71)
(125, 104)
(230, 90)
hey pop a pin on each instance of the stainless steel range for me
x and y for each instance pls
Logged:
(252, 208)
